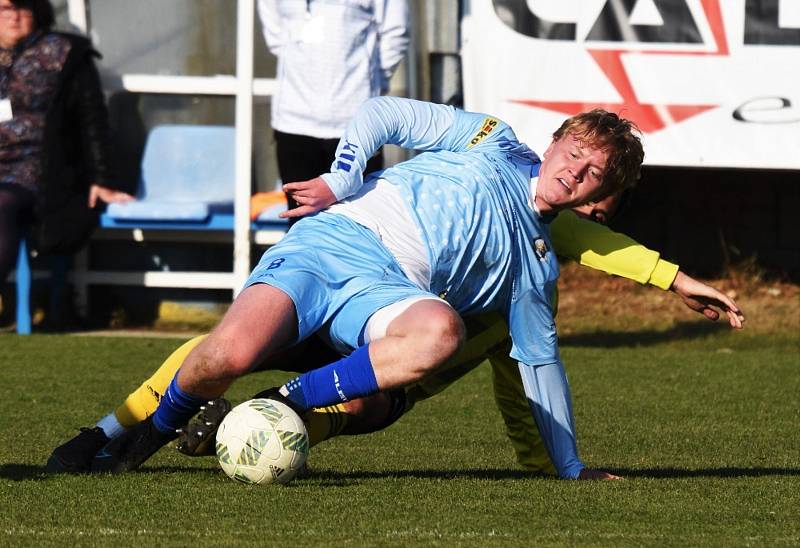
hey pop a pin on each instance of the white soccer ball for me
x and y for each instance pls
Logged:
(262, 441)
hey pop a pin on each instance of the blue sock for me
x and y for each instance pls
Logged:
(175, 408)
(347, 379)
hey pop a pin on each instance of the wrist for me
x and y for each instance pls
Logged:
(664, 274)
(337, 185)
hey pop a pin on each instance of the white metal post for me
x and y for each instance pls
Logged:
(76, 11)
(245, 19)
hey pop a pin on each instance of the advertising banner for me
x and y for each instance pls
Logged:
(711, 83)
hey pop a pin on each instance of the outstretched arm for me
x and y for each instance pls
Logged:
(597, 246)
(550, 403)
(705, 299)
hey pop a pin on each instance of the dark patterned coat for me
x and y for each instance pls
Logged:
(71, 148)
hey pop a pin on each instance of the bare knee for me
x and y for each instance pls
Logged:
(218, 359)
(448, 329)
(236, 345)
(439, 337)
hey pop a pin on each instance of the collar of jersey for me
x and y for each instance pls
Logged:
(546, 219)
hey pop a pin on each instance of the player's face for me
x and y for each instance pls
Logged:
(600, 211)
(15, 24)
(571, 174)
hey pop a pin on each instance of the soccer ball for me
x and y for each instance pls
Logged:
(262, 441)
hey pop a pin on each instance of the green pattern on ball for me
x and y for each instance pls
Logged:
(222, 453)
(238, 476)
(294, 441)
(270, 412)
(252, 449)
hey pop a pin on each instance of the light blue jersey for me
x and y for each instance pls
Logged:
(469, 199)
(488, 249)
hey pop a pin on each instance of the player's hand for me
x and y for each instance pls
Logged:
(701, 298)
(108, 195)
(587, 474)
(312, 196)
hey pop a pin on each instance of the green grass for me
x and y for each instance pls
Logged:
(704, 426)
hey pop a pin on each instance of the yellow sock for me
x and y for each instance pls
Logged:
(325, 422)
(142, 402)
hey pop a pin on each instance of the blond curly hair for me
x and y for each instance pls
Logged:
(619, 137)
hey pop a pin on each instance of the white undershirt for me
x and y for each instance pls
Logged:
(532, 195)
(381, 208)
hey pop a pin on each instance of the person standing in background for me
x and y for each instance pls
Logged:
(332, 56)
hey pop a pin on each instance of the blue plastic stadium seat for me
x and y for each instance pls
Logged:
(188, 181)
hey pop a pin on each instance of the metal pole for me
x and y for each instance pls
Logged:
(245, 19)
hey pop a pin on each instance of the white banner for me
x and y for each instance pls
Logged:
(711, 83)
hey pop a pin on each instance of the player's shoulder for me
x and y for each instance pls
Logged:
(477, 130)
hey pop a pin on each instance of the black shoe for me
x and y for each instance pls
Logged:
(131, 449)
(275, 394)
(197, 439)
(75, 456)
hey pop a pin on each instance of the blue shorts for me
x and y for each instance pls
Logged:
(337, 273)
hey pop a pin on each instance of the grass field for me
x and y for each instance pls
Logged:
(702, 422)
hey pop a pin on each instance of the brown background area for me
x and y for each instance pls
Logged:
(710, 220)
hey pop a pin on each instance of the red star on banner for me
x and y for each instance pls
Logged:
(649, 117)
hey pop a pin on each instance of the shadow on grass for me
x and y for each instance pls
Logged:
(20, 472)
(615, 339)
(332, 477)
(328, 476)
(725, 472)
(335, 477)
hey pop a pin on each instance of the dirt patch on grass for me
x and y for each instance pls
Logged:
(591, 300)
